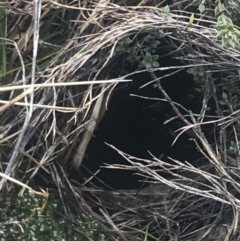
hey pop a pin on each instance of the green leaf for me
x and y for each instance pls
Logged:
(195, 78)
(190, 71)
(224, 95)
(147, 49)
(155, 64)
(119, 48)
(198, 90)
(201, 73)
(127, 41)
(195, 71)
(236, 32)
(231, 43)
(233, 143)
(155, 43)
(220, 34)
(225, 42)
(222, 102)
(196, 3)
(221, 18)
(161, 35)
(136, 58)
(144, 62)
(148, 65)
(221, 26)
(229, 20)
(166, 9)
(148, 55)
(201, 8)
(121, 42)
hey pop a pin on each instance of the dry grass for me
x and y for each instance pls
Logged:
(44, 113)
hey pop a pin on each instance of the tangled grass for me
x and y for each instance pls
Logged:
(51, 104)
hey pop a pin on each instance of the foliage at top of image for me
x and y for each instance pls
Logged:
(31, 218)
(226, 31)
(142, 51)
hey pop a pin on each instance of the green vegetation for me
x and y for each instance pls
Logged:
(142, 51)
(32, 218)
(234, 147)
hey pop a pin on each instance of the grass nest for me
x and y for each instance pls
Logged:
(56, 62)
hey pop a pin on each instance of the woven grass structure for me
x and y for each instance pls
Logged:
(47, 131)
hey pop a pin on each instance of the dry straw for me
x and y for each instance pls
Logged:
(71, 91)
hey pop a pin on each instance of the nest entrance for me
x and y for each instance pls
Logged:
(134, 123)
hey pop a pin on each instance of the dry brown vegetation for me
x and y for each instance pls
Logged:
(54, 91)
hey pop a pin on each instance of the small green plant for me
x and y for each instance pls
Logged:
(29, 218)
(150, 61)
(151, 42)
(123, 45)
(166, 9)
(199, 77)
(227, 32)
(197, 72)
(230, 92)
(225, 27)
(142, 51)
(234, 147)
(200, 4)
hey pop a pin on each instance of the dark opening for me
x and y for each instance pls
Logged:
(136, 125)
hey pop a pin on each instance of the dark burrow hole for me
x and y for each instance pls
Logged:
(136, 125)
